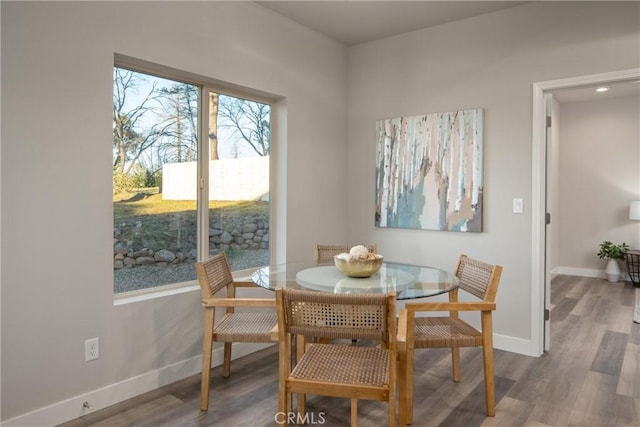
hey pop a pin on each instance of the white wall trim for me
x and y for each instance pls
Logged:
(538, 194)
(585, 272)
(588, 272)
(103, 397)
(538, 197)
(581, 272)
(515, 345)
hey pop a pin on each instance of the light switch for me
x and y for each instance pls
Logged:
(518, 206)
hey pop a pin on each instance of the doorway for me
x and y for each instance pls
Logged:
(540, 276)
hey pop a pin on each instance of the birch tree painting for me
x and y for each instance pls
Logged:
(429, 171)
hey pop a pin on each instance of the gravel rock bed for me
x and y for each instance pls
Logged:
(148, 276)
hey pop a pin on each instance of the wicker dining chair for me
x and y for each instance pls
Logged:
(324, 253)
(334, 369)
(243, 326)
(480, 280)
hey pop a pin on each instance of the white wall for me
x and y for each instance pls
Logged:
(600, 175)
(57, 63)
(489, 62)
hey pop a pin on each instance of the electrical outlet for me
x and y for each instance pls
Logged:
(91, 349)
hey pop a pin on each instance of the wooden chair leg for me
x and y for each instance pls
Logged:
(393, 402)
(455, 363)
(283, 410)
(487, 355)
(207, 348)
(402, 388)
(405, 387)
(489, 381)
(284, 368)
(226, 368)
(354, 412)
(301, 346)
(410, 373)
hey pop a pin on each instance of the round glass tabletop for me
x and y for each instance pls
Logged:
(408, 281)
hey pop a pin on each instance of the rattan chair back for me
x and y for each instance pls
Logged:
(325, 253)
(214, 274)
(475, 277)
(336, 316)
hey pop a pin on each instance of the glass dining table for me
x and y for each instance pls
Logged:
(406, 280)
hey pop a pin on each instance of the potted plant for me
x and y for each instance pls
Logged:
(613, 253)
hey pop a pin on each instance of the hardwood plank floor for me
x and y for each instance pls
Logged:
(591, 377)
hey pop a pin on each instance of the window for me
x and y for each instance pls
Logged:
(177, 196)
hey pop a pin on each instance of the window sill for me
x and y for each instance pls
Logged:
(170, 290)
(153, 293)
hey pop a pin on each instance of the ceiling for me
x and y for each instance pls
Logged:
(355, 22)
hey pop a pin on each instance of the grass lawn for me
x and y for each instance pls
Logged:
(148, 221)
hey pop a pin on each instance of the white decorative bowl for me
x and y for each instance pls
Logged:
(358, 267)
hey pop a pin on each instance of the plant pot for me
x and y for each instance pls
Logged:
(613, 271)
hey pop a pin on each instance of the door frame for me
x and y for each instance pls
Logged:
(538, 192)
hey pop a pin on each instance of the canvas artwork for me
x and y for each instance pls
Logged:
(429, 171)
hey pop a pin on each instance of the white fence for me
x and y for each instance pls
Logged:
(229, 179)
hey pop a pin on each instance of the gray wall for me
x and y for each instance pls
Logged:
(600, 174)
(487, 62)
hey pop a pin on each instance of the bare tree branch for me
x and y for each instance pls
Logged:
(248, 120)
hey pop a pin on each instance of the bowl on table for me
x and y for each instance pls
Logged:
(354, 267)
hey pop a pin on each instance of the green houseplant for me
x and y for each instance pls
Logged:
(613, 253)
(610, 250)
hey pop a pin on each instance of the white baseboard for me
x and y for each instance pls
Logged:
(514, 345)
(101, 398)
(581, 272)
(586, 272)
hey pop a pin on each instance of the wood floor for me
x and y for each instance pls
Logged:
(591, 377)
